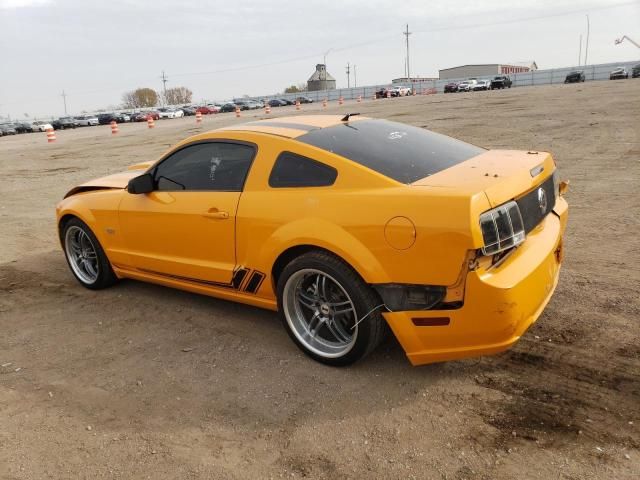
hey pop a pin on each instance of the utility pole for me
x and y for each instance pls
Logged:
(406, 33)
(580, 51)
(348, 76)
(355, 78)
(325, 68)
(64, 99)
(164, 86)
(586, 48)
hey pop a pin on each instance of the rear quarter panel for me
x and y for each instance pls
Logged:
(349, 220)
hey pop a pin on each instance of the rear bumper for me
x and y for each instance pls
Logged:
(499, 304)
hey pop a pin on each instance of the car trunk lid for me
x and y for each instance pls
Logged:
(502, 175)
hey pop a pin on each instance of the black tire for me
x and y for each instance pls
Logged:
(370, 331)
(106, 277)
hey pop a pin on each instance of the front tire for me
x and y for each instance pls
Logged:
(85, 256)
(321, 300)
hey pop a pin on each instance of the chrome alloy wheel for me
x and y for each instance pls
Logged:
(81, 254)
(320, 313)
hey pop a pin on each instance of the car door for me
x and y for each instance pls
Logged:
(185, 228)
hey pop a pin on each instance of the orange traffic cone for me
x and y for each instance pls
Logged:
(150, 122)
(375, 97)
(297, 104)
(237, 112)
(340, 100)
(51, 135)
(114, 127)
(414, 92)
(198, 117)
(324, 103)
(359, 98)
(267, 107)
(388, 94)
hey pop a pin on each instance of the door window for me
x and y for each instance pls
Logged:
(214, 166)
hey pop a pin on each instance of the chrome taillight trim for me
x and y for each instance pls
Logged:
(515, 236)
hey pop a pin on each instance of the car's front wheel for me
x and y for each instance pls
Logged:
(328, 310)
(85, 256)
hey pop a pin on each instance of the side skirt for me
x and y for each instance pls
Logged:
(224, 293)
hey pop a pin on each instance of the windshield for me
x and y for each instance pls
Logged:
(401, 152)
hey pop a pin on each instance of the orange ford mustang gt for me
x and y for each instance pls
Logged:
(345, 225)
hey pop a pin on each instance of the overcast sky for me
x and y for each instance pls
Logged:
(96, 50)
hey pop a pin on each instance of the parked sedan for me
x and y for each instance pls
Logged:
(386, 92)
(619, 73)
(274, 102)
(242, 104)
(451, 87)
(457, 262)
(467, 85)
(481, 85)
(576, 76)
(87, 120)
(286, 101)
(42, 126)
(635, 71)
(167, 112)
(8, 129)
(228, 107)
(304, 100)
(188, 111)
(63, 123)
(24, 127)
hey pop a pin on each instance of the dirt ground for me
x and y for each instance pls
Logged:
(140, 381)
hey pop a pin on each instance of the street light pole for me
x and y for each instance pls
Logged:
(64, 100)
(580, 51)
(355, 78)
(586, 48)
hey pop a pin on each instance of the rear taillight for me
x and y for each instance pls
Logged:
(502, 228)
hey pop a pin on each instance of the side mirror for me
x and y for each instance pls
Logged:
(141, 184)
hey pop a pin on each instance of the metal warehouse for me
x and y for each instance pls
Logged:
(487, 69)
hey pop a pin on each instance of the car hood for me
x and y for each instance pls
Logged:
(500, 174)
(115, 181)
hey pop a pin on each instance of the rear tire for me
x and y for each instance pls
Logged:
(320, 300)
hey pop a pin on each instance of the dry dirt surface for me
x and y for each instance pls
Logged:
(140, 381)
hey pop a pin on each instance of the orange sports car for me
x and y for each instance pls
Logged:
(345, 225)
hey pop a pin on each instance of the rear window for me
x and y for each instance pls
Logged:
(401, 152)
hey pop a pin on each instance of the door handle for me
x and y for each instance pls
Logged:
(216, 214)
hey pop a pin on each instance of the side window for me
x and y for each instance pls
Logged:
(215, 166)
(292, 170)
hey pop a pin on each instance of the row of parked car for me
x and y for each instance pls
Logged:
(14, 128)
(473, 84)
(577, 76)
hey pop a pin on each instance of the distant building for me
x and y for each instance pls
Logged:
(321, 79)
(408, 81)
(487, 70)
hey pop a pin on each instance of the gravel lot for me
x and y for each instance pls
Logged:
(140, 381)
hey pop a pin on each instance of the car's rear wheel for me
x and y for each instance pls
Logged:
(85, 256)
(330, 313)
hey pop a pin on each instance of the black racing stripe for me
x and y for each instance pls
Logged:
(254, 282)
(268, 123)
(238, 277)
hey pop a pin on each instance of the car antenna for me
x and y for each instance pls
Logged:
(346, 117)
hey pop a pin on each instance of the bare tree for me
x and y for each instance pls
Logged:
(141, 97)
(178, 96)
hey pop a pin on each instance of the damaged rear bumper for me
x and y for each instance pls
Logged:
(500, 303)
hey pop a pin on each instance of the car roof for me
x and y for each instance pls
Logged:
(291, 127)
